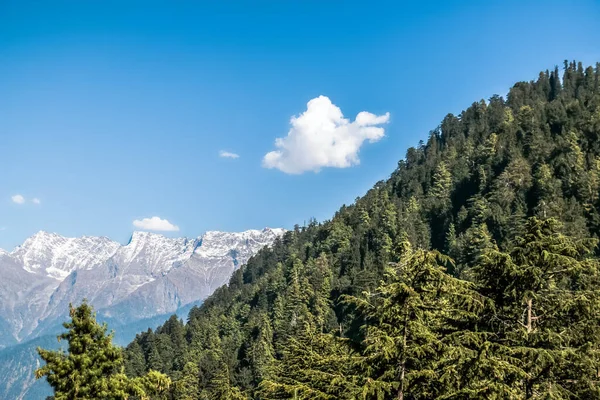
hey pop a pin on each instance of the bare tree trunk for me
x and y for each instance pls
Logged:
(403, 363)
(529, 327)
(529, 315)
(402, 374)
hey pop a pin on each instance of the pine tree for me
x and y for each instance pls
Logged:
(136, 363)
(411, 323)
(174, 334)
(319, 275)
(187, 386)
(442, 185)
(155, 360)
(262, 353)
(152, 386)
(547, 310)
(313, 365)
(296, 298)
(219, 387)
(92, 367)
(472, 244)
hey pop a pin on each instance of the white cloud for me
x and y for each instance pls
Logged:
(35, 200)
(227, 154)
(155, 224)
(18, 199)
(322, 137)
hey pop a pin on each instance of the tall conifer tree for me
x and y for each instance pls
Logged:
(92, 367)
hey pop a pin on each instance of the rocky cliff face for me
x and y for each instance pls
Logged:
(151, 275)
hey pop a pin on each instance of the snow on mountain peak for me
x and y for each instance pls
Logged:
(154, 252)
(150, 275)
(57, 256)
(219, 244)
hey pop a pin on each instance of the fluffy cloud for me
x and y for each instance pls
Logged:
(155, 224)
(18, 199)
(322, 137)
(35, 200)
(227, 154)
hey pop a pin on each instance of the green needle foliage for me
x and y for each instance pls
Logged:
(92, 367)
(470, 273)
(313, 365)
(416, 327)
(547, 309)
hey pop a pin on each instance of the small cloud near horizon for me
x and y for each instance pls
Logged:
(227, 154)
(18, 199)
(155, 224)
(35, 200)
(321, 137)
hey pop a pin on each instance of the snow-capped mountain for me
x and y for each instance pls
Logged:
(151, 275)
(56, 256)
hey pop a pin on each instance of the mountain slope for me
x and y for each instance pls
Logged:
(151, 275)
(17, 366)
(132, 287)
(473, 184)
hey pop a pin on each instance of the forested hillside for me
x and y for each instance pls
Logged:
(470, 273)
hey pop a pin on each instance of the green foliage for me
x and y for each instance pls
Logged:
(92, 367)
(416, 327)
(187, 386)
(508, 189)
(313, 365)
(547, 309)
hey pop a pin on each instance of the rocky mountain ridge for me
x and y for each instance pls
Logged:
(150, 275)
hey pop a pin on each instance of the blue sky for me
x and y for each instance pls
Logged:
(112, 112)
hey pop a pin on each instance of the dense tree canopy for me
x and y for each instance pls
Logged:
(471, 273)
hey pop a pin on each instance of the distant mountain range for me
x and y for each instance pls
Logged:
(151, 275)
(128, 285)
